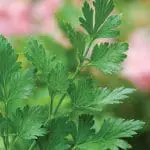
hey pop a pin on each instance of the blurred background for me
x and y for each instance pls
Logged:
(21, 18)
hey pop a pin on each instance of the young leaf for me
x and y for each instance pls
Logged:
(8, 60)
(82, 95)
(103, 8)
(8, 66)
(108, 57)
(58, 79)
(77, 39)
(110, 134)
(35, 52)
(95, 19)
(87, 21)
(54, 70)
(27, 123)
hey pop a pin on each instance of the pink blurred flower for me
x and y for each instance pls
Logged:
(137, 65)
(44, 9)
(43, 14)
(14, 17)
(23, 17)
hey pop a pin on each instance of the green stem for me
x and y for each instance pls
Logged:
(64, 95)
(5, 95)
(4, 141)
(6, 131)
(39, 144)
(76, 73)
(49, 117)
(60, 102)
(32, 145)
(13, 142)
(50, 109)
(88, 47)
(51, 106)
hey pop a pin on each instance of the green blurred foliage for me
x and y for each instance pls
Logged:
(135, 15)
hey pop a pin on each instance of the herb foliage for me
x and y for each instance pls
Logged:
(44, 127)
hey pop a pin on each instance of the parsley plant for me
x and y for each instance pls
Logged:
(47, 127)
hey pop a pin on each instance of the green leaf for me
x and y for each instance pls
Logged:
(109, 136)
(27, 123)
(53, 47)
(54, 71)
(77, 39)
(108, 57)
(86, 98)
(103, 8)
(58, 78)
(116, 96)
(84, 129)
(8, 66)
(87, 21)
(58, 132)
(20, 86)
(14, 84)
(82, 95)
(35, 52)
(109, 28)
(8, 60)
(112, 131)
(94, 18)
(3, 124)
